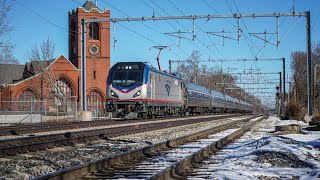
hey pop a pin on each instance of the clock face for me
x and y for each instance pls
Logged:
(94, 49)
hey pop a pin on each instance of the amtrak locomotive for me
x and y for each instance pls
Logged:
(137, 90)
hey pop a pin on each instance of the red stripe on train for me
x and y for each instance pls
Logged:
(144, 100)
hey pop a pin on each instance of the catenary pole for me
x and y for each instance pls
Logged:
(83, 66)
(309, 60)
(284, 87)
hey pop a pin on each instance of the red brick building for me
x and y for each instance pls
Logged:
(31, 82)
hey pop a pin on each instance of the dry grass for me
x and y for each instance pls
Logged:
(294, 111)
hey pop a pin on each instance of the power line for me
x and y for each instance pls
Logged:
(185, 29)
(252, 46)
(200, 29)
(218, 13)
(140, 23)
(247, 29)
(168, 14)
(47, 20)
(167, 22)
(40, 16)
(279, 28)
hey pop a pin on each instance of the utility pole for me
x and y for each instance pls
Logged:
(280, 96)
(83, 66)
(309, 61)
(284, 87)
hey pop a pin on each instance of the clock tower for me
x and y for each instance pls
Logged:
(97, 45)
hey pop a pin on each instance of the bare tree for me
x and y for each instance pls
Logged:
(44, 52)
(213, 78)
(40, 57)
(299, 69)
(6, 47)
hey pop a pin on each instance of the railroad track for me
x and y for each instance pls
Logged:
(20, 129)
(166, 160)
(15, 146)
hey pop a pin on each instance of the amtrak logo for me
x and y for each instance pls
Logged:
(125, 90)
(168, 86)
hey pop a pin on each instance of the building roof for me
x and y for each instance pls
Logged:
(11, 72)
(88, 5)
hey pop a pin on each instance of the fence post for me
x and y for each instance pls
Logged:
(45, 110)
(97, 111)
(41, 110)
(57, 112)
(66, 111)
(31, 109)
(76, 115)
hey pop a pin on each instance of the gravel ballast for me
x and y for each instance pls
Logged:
(30, 165)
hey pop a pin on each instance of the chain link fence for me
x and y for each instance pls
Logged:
(37, 111)
(45, 111)
(98, 111)
(22, 111)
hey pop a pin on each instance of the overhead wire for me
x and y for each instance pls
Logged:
(45, 19)
(246, 38)
(295, 22)
(292, 8)
(223, 18)
(245, 25)
(185, 29)
(140, 23)
(315, 23)
(218, 13)
(200, 29)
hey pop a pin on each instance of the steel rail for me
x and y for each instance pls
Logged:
(135, 155)
(41, 142)
(180, 168)
(45, 127)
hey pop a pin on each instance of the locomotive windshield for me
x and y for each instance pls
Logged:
(127, 74)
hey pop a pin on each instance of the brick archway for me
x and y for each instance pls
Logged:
(95, 102)
(26, 99)
(61, 94)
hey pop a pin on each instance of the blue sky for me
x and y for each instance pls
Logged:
(36, 20)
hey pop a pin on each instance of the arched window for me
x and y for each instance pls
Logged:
(95, 104)
(64, 87)
(73, 38)
(94, 99)
(26, 98)
(61, 92)
(94, 31)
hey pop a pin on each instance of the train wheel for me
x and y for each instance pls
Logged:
(143, 115)
(167, 113)
(182, 113)
(151, 115)
(171, 114)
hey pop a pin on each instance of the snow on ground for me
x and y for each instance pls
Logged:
(262, 155)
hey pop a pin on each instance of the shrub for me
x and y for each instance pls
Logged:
(293, 110)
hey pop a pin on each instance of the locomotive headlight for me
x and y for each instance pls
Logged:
(113, 94)
(137, 94)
